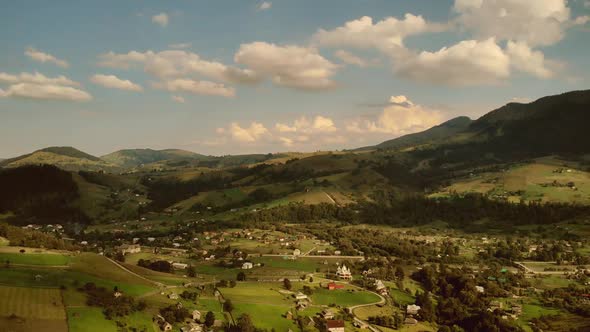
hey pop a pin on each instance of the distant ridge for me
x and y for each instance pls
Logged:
(434, 134)
(135, 157)
(65, 157)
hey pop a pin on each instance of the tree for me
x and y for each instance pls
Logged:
(287, 284)
(245, 323)
(191, 272)
(232, 283)
(399, 273)
(228, 307)
(241, 276)
(209, 319)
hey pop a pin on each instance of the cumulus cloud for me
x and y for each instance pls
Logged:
(45, 92)
(45, 57)
(539, 22)
(249, 134)
(36, 78)
(526, 60)
(113, 82)
(178, 99)
(284, 128)
(265, 5)
(291, 66)
(161, 19)
(195, 87)
(469, 62)
(39, 86)
(400, 117)
(384, 35)
(350, 58)
(177, 63)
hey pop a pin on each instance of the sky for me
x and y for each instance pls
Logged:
(247, 76)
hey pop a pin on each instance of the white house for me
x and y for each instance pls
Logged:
(179, 266)
(247, 266)
(344, 273)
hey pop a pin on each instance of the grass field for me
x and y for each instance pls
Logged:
(37, 309)
(34, 258)
(343, 297)
(88, 319)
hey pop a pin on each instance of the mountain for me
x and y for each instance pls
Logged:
(432, 135)
(64, 157)
(550, 125)
(136, 157)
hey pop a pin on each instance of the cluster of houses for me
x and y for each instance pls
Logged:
(57, 228)
(190, 325)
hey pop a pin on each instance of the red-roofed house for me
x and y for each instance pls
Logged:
(335, 325)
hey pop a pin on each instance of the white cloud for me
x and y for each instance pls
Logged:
(401, 117)
(176, 64)
(178, 99)
(384, 35)
(538, 22)
(45, 57)
(39, 86)
(350, 58)
(195, 87)
(36, 78)
(113, 82)
(286, 141)
(469, 62)
(526, 60)
(45, 92)
(161, 19)
(247, 134)
(284, 128)
(265, 5)
(323, 124)
(292, 66)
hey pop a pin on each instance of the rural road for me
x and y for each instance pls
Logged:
(159, 284)
(354, 307)
(529, 270)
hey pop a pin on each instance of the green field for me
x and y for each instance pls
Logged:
(36, 309)
(34, 258)
(343, 297)
(87, 319)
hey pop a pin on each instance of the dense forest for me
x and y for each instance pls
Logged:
(40, 193)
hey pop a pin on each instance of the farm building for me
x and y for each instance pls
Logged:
(180, 266)
(247, 266)
(327, 314)
(335, 325)
(333, 286)
(301, 296)
(196, 314)
(129, 248)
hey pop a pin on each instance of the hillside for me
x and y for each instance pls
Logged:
(67, 158)
(136, 157)
(433, 135)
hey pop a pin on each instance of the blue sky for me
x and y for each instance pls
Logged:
(241, 76)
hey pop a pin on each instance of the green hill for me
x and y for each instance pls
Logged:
(432, 135)
(67, 158)
(136, 157)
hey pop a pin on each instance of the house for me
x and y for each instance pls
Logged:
(247, 266)
(412, 309)
(380, 287)
(196, 315)
(296, 252)
(173, 296)
(337, 252)
(335, 325)
(333, 286)
(479, 289)
(129, 248)
(192, 327)
(179, 266)
(301, 305)
(410, 321)
(117, 294)
(343, 273)
(289, 315)
(301, 296)
(327, 314)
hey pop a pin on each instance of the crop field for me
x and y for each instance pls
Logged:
(35, 309)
